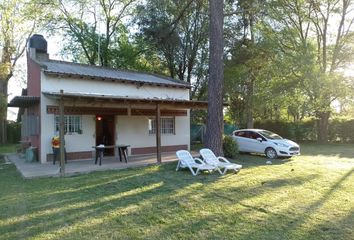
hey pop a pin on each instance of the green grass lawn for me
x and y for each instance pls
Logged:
(307, 197)
(8, 148)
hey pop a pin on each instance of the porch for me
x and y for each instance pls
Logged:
(73, 167)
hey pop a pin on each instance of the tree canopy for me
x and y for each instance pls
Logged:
(296, 58)
(18, 20)
(282, 59)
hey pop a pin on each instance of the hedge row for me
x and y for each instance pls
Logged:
(13, 132)
(340, 130)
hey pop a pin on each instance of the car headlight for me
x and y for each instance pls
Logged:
(281, 144)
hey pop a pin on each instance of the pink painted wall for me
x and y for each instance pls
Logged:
(33, 78)
(34, 89)
(35, 140)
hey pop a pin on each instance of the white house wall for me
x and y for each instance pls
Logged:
(132, 130)
(54, 84)
(47, 128)
(74, 142)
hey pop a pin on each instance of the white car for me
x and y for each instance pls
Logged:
(263, 141)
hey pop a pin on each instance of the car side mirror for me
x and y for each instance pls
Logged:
(259, 139)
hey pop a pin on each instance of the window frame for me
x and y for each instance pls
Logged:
(164, 131)
(72, 124)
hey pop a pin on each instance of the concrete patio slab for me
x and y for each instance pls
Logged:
(36, 169)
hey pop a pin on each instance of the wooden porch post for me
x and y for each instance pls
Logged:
(158, 133)
(61, 134)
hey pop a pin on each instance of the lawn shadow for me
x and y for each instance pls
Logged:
(228, 200)
(319, 203)
(64, 202)
(335, 150)
(320, 230)
(254, 160)
(342, 229)
(154, 202)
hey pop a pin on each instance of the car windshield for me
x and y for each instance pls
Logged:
(270, 135)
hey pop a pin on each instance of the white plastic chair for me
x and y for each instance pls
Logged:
(185, 160)
(220, 162)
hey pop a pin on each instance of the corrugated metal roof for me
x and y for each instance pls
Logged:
(23, 101)
(83, 70)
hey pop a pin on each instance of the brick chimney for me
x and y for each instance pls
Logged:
(37, 48)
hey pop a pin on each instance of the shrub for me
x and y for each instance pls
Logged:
(13, 132)
(280, 127)
(298, 131)
(230, 147)
(341, 130)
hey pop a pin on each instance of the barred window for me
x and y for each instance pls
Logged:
(72, 124)
(167, 125)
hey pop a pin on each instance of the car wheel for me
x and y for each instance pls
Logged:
(271, 153)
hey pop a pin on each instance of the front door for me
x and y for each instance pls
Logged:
(105, 134)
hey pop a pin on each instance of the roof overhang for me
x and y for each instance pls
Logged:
(23, 101)
(109, 79)
(179, 103)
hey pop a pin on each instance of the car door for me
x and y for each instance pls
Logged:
(253, 143)
(240, 138)
(258, 142)
(244, 141)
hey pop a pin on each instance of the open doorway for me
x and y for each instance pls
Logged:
(105, 132)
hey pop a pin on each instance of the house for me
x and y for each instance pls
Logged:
(101, 106)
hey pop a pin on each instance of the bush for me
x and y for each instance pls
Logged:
(341, 130)
(13, 132)
(230, 147)
(298, 131)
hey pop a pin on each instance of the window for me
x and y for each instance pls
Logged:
(167, 125)
(240, 134)
(72, 124)
(253, 135)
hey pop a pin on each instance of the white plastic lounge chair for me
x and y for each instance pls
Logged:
(220, 162)
(185, 160)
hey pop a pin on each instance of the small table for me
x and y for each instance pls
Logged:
(122, 149)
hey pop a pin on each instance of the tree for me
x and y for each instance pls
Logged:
(178, 35)
(249, 65)
(315, 37)
(18, 19)
(330, 57)
(215, 123)
(92, 28)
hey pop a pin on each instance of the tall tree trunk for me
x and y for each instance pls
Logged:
(322, 127)
(249, 107)
(3, 110)
(215, 121)
(250, 87)
(6, 72)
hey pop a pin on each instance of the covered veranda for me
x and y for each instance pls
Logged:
(66, 101)
(154, 104)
